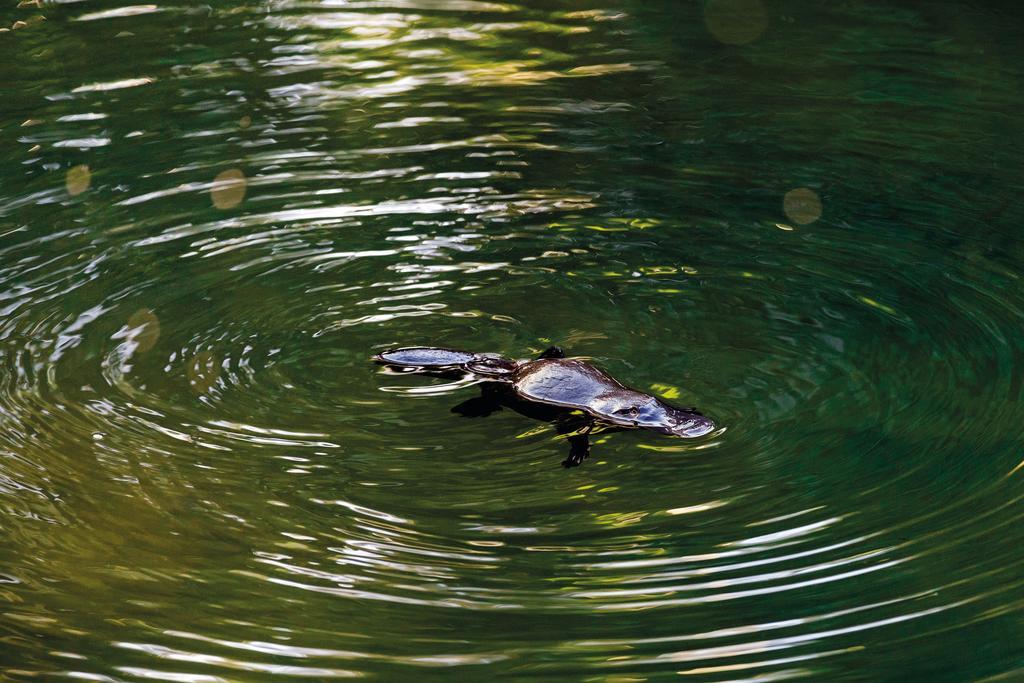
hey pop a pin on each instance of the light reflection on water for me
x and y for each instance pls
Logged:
(785, 218)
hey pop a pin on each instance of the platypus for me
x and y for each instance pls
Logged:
(573, 394)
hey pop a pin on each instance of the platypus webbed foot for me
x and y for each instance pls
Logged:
(552, 352)
(579, 449)
(578, 429)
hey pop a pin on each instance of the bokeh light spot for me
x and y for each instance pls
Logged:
(228, 189)
(245, 121)
(78, 179)
(146, 329)
(802, 206)
(735, 22)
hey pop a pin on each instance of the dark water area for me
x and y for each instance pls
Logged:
(803, 218)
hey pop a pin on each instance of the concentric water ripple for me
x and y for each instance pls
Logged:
(800, 220)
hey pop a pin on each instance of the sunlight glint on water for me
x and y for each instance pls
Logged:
(802, 220)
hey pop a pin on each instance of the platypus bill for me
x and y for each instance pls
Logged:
(573, 394)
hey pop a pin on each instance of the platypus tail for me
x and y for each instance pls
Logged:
(425, 357)
(436, 361)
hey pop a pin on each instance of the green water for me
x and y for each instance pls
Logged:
(202, 477)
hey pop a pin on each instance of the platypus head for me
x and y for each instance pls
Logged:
(661, 417)
(688, 424)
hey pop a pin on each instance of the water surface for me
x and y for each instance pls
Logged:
(802, 219)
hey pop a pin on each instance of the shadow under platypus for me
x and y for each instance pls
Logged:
(572, 394)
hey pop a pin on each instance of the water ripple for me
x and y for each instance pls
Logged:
(799, 230)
